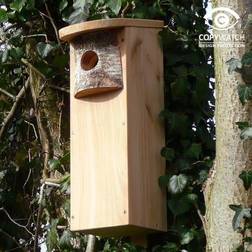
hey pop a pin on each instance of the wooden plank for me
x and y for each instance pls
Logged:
(145, 100)
(99, 173)
(70, 32)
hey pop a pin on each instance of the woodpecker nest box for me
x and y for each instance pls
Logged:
(116, 70)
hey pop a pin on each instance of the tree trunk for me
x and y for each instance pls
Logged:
(48, 112)
(224, 187)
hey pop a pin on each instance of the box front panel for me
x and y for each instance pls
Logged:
(99, 174)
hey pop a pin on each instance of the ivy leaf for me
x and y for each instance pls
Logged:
(2, 174)
(242, 125)
(5, 55)
(54, 164)
(168, 153)
(183, 164)
(82, 3)
(163, 181)
(203, 175)
(63, 4)
(234, 65)
(44, 49)
(65, 240)
(180, 87)
(65, 159)
(192, 197)
(171, 247)
(240, 214)
(247, 59)
(245, 93)
(115, 6)
(194, 151)
(177, 183)
(65, 183)
(3, 16)
(181, 204)
(30, 4)
(187, 237)
(81, 11)
(16, 53)
(246, 133)
(248, 240)
(249, 22)
(52, 239)
(246, 177)
(66, 206)
(77, 16)
(18, 5)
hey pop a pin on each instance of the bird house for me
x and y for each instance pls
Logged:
(116, 70)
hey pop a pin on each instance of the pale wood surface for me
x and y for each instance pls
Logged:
(145, 100)
(99, 165)
(71, 31)
(115, 145)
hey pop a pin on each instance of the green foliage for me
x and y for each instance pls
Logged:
(245, 93)
(234, 65)
(52, 238)
(246, 133)
(240, 214)
(246, 130)
(115, 6)
(247, 59)
(242, 217)
(177, 184)
(65, 240)
(44, 49)
(246, 177)
(187, 236)
(188, 118)
(17, 5)
(180, 204)
(168, 153)
(242, 125)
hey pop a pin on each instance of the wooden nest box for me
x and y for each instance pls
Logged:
(116, 69)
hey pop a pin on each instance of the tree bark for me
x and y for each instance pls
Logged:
(224, 187)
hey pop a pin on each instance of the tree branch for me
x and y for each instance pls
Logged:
(90, 243)
(44, 139)
(7, 93)
(27, 63)
(58, 88)
(16, 223)
(14, 107)
(54, 26)
(40, 209)
(10, 237)
(37, 35)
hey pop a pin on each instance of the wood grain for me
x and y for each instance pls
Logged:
(116, 139)
(70, 32)
(147, 203)
(99, 180)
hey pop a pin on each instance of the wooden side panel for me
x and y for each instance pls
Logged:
(99, 166)
(145, 100)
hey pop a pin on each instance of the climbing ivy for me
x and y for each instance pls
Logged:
(33, 211)
(243, 214)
